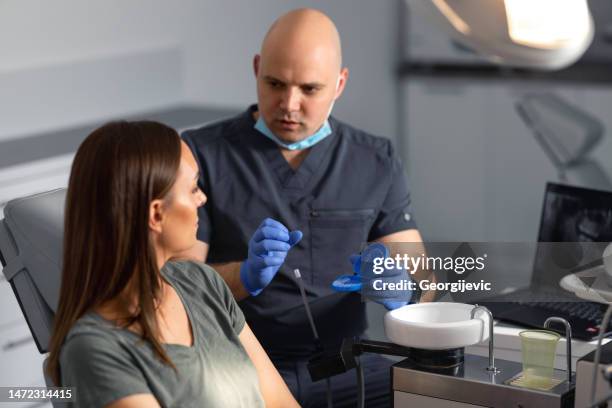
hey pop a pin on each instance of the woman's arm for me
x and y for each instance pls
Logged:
(273, 389)
(136, 401)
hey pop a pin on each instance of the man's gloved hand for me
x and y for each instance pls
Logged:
(268, 249)
(364, 265)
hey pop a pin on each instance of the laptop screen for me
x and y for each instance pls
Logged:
(581, 219)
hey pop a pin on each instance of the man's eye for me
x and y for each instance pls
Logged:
(275, 84)
(195, 190)
(310, 90)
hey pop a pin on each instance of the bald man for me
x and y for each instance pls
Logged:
(288, 161)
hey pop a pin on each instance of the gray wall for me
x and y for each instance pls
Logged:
(68, 62)
(477, 171)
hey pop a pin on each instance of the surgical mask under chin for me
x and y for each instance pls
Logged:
(310, 141)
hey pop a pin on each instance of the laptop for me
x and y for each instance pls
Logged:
(579, 218)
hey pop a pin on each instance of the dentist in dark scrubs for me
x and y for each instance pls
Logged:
(290, 186)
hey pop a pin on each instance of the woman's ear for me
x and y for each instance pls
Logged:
(156, 215)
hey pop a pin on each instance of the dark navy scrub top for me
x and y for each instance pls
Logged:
(350, 189)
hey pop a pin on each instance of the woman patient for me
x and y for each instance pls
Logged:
(134, 329)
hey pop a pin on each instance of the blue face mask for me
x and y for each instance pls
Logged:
(310, 141)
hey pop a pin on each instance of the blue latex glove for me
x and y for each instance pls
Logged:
(268, 249)
(363, 265)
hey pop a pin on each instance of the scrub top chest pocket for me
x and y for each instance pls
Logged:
(336, 234)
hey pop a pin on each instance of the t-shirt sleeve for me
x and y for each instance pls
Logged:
(205, 228)
(226, 297)
(100, 370)
(396, 211)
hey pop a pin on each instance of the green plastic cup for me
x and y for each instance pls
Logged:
(538, 347)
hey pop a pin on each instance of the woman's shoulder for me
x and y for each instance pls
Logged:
(91, 336)
(200, 282)
(89, 332)
(100, 363)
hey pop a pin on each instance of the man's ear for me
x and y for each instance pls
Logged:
(256, 61)
(344, 74)
(156, 215)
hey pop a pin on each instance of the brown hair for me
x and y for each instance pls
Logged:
(117, 172)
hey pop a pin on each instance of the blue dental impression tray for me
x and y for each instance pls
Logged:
(347, 283)
(352, 283)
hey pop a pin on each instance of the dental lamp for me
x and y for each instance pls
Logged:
(568, 135)
(535, 34)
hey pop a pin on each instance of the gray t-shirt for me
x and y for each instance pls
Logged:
(106, 363)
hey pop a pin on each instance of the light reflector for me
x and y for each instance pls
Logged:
(546, 24)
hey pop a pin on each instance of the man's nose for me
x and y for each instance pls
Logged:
(290, 101)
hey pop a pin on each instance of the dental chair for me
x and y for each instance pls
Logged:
(31, 235)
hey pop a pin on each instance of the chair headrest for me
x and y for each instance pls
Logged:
(36, 224)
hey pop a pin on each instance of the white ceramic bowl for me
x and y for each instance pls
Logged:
(436, 326)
